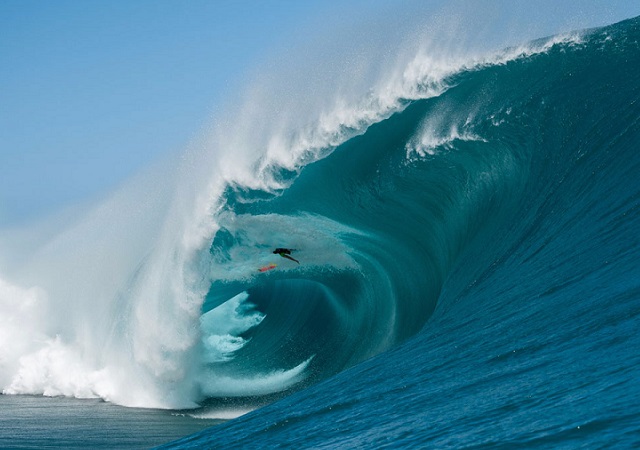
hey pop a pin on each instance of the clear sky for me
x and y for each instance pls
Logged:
(92, 91)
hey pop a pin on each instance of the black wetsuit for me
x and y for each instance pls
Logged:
(285, 252)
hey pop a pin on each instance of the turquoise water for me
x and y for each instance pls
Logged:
(469, 274)
(493, 231)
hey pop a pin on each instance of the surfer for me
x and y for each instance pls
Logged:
(285, 252)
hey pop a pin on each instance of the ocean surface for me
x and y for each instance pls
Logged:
(59, 422)
(468, 232)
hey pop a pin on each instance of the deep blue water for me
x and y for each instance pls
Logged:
(493, 241)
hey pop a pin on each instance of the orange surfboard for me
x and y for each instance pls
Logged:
(266, 268)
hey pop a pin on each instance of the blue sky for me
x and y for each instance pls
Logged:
(93, 91)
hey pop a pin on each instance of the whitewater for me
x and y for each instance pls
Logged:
(466, 226)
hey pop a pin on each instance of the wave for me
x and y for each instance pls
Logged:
(154, 297)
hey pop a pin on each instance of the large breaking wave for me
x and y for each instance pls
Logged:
(153, 298)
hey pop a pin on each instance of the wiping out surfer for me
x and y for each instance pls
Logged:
(285, 252)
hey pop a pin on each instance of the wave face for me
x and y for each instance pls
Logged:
(478, 217)
(490, 229)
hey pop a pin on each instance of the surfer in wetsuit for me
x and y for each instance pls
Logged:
(285, 252)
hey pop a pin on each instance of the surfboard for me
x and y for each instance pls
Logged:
(266, 268)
